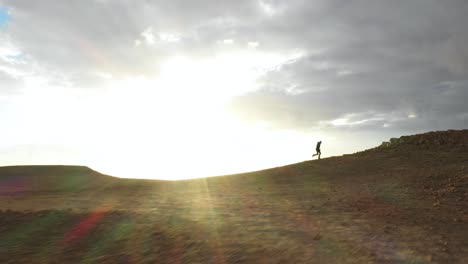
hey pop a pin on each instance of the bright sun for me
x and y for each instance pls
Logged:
(173, 125)
(177, 125)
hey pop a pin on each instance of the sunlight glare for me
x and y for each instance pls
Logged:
(173, 125)
(177, 125)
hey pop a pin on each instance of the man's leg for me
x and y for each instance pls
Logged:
(319, 153)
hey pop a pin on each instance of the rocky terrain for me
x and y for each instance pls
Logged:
(405, 201)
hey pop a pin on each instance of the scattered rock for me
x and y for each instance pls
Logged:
(317, 237)
(454, 138)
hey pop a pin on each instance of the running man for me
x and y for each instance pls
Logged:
(318, 150)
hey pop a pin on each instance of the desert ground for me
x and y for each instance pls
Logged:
(402, 202)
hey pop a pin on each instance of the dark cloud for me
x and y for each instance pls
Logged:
(373, 63)
(393, 65)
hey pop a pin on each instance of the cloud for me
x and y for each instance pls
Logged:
(370, 64)
(380, 61)
(9, 84)
(79, 38)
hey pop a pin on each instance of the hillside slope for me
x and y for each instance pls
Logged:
(47, 178)
(402, 202)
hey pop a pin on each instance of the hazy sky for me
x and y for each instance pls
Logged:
(174, 89)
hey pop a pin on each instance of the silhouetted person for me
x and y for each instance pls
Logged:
(318, 150)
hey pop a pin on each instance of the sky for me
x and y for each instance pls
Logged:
(180, 89)
(4, 17)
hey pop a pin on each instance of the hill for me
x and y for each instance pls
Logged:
(402, 202)
(49, 178)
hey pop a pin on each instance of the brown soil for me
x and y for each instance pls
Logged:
(402, 202)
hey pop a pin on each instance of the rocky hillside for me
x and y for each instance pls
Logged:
(403, 202)
(450, 138)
